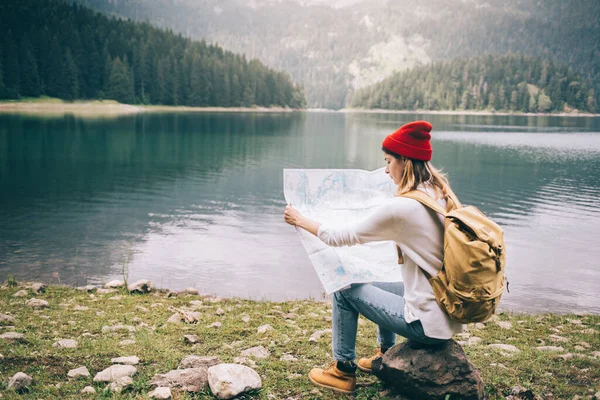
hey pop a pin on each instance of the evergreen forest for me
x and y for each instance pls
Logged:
(64, 50)
(501, 83)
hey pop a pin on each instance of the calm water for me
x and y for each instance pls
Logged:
(196, 199)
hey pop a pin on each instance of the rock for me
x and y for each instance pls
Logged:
(81, 372)
(114, 372)
(19, 381)
(521, 393)
(246, 319)
(66, 344)
(430, 372)
(114, 284)
(193, 361)
(160, 393)
(579, 348)
(557, 338)
(6, 318)
(256, 352)
(142, 286)
(575, 321)
(504, 324)
(38, 287)
(478, 325)
(21, 293)
(220, 311)
(567, 356)
(120, 384)
(190, 379)
(288, 357)
(80, 308)
(596, 354)
(597, 395)
(245, 361)
(131, 360)
(294, 376)
(474, 341)
(227, 381)
(589, 331)
(116, 298)
(174, 319)
(88, 390)
(106, 291)
(118, 328)
(12, 336)
(317, 335)
(196, 303)
(190, 290)
(37, 303)
(215, 325)
(290, 315)
(550, 349)
(88, 288)
(264, 328)
(191, 339)
(126, 342)
(505, 347)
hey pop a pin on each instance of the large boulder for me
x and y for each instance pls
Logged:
(227, 381)
(429, 372)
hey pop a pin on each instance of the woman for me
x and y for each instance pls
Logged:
(406, 308)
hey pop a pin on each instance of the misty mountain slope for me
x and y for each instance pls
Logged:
(334, 47)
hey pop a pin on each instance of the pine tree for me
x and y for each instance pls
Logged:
(54, 75)
(12, 76)
(71, 83)
(30, 79)
(119, 82)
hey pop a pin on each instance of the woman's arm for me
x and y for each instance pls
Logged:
(293, 217)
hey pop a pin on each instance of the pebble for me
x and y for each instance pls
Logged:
(215, 325)
(160, 392)
(126, 342)
(191, 339)
(264, 328)
(288, 357)
(66, 344)
(131, 360)
(12, 336)
(557, 338)
(88, 390)
(19, 381)
(504, 324)
(246, 319)
(81, 372)
(220, 311)
(550, 349)
(314, 338)
(37, 303)
(256, 352)
(244, 360)
(174, 319)
(21, 293)
(506, 347)
(120, 384)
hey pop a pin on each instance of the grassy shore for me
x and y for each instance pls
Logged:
(79, 315)
(574, 113)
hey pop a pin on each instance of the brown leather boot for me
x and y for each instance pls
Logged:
(333, 378)
(364, 364)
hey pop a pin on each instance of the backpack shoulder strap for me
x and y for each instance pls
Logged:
(426, 200)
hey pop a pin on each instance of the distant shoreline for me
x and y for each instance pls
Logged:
(464, 112)
(49, 106)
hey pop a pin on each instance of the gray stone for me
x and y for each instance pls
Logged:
(88, 288)
(38, 287)
(215, 325)
(505, 347)
(430, 372)
(317, 335)
(196, 303)
(190, 379)
(474, 341)
(142, 286)
(19, 381)
(243, 360)
(596, 354)
(245, 318)
(220, 311)
(193, 361)
(114, 284)
(66, 344)
(227, 381)
(256, 352)
(264, 328)
(126, 342)
(118, 328)
(114, 372)
(81, 372)
(37, 303)
(191, 339)
(174, 319)
(288, 357)
(6, 318)
(550, 349)
(504, 324)
(116, 298)
(80, 308)
(21, 293)
(12, 336)
(478, 325)
(557, 338)
(88, 390)
(163, 393)
(106, 291)
(131, 360)
(120, 384)
(190, 290)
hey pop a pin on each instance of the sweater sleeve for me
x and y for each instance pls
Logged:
(381, 224)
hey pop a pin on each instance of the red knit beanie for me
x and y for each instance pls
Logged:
(411, 140)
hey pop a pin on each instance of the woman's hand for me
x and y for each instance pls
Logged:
(292, 216)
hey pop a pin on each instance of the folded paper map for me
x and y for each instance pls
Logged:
(341, 196)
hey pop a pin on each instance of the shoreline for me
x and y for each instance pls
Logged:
(112, 108)
(48, 331)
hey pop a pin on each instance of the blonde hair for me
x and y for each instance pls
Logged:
(418, 172)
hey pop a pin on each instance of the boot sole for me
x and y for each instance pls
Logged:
(363, 369)
(330, 387)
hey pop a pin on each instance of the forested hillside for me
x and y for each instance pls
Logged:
(335, 47)
(54, 48)
(503, 83)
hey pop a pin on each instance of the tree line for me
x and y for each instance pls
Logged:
(58, 49)
(502, 83)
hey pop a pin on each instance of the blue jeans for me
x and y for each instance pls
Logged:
(382, 303)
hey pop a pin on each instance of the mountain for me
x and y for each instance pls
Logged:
(68, 51)
(334, 47)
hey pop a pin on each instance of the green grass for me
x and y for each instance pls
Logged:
(160, 346)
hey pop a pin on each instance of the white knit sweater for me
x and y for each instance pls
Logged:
(419, 233)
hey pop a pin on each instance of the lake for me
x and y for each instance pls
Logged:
(196, 199)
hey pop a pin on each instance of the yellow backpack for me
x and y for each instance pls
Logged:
(471, 281)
